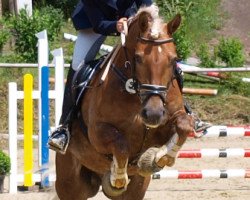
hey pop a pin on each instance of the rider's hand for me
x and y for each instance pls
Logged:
(119, 24)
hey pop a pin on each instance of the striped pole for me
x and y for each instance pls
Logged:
(45, 123)
(202, 174)
(219, 153)
(28, 130)
(224, 131)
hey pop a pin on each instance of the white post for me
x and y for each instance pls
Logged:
(43, 60)
(13, 136)
(22, 4)
(59, 82)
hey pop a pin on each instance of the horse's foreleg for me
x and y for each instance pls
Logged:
(119, 176)
(136, 189)
(108, 140)
(167, 154)
(154, 159)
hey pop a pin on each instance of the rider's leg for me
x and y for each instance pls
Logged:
(59, 138)
(86, 48)
(199, 125)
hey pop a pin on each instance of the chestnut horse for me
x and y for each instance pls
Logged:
(135, 121)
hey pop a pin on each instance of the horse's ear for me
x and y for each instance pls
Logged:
(174, 24)
(143, 21)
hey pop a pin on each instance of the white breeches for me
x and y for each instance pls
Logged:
(86, 48)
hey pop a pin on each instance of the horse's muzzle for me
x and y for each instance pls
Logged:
(153, 113)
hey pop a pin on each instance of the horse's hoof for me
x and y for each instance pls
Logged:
(108, 189)
(146, 163)
(166, 161)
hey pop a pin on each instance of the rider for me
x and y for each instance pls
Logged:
(94, 20)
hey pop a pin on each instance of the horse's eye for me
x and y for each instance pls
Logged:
(138, 58)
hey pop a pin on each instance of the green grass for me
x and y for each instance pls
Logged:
(233, 84)
(204, 17)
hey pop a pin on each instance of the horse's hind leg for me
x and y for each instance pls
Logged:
(74, 182)
(136, 189)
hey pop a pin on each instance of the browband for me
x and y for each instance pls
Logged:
(157, 42)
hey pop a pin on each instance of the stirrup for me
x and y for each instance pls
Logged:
(59, 139)
(200, 128)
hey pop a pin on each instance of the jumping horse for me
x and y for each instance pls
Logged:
(136, 121)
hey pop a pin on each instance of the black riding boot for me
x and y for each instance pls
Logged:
(59, 138)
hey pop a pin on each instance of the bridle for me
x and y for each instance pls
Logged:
(133, 85)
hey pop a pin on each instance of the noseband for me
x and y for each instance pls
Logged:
(132, 85)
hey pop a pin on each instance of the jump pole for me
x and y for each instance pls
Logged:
(12, 99)
(58, 60)
(43, 60)
(224, 131)
(28, 130)
(218, 153)
(202, 174)
(45, 124)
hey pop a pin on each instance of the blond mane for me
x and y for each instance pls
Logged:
(156, 28)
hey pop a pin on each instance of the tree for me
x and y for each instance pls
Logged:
(1, 9)
(12, 6)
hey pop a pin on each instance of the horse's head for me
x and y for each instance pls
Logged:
(150, 41)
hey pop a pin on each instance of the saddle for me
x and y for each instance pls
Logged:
(82, 78)
(86, 72)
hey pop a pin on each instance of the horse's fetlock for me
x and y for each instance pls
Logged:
(118, 177)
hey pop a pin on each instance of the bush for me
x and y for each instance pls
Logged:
(4, 163)
(4, 35)
(170, 8)
(25, 27)
(65, 5)
(206, 58)
(230, 51)
(183, 44)
(199, 19)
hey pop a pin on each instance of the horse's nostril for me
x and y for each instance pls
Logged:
(152, 115)
(144, 113)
